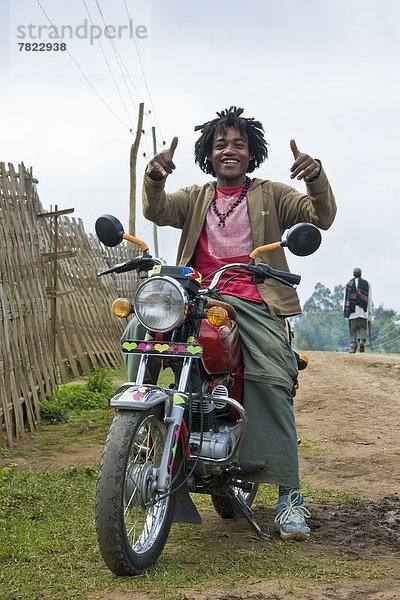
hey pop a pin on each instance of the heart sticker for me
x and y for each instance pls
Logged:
(161, 347)
(129, 345)
(194, 349)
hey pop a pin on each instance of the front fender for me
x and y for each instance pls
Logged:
(138, 397)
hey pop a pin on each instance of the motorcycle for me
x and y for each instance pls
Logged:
(166, 442)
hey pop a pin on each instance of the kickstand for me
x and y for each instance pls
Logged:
(247, 513)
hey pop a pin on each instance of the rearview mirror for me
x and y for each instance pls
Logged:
(109, 230)
(303, 239)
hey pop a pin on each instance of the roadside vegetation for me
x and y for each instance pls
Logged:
(77, 398)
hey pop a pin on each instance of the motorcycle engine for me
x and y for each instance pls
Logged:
(211, 416)
(214, 444)
(203, 414)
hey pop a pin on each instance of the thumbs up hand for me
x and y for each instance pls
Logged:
(162, 165)
(304, 166)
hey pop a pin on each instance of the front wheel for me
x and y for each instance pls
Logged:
(132, 526)
(225, 506)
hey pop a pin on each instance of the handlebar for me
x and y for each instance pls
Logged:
(140, 263)
(263, 271)
(134, 240)
(260, 272)
(302, 239)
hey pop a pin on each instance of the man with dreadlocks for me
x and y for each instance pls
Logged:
(222, 222)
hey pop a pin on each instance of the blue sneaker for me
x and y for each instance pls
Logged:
(290, 518)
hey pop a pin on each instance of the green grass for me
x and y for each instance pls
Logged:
(309, 446)
(83, 427)
(48, 546)
(88, 427)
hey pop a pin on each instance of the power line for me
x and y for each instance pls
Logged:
(117, 55)
(129, 76)
(120, 62)
(383, 335)
(143, 146)
(379, 338)
(81, 70)
(108, 65)
(389, 342)
(145, 149)
(144, 74)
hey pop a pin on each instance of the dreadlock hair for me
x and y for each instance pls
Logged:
(250, 129)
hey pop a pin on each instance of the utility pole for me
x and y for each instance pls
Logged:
(155, 235)
(132, 164)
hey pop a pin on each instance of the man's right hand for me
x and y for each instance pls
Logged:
(161, 165)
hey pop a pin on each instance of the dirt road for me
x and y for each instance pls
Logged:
(348, 414)
(350, 405)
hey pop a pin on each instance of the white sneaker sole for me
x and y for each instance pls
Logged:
(298, 535)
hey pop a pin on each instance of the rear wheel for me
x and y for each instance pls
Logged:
(132, 523)
(225, 506)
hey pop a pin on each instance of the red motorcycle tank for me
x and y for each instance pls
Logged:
(221, 348)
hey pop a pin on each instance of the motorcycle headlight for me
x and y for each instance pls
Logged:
(161, 304)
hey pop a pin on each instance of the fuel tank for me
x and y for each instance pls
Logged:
(221, 348)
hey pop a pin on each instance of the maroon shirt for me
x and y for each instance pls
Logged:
(218, 246)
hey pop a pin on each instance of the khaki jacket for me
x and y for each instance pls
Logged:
(273, 208)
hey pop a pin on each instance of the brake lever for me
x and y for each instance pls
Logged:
(141, 263)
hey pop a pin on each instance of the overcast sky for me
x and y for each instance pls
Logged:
(324, 72)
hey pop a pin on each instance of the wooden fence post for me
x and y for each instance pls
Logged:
(54, 256)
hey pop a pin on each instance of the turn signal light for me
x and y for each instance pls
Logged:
(302, 361)
(217, 316)
(122, 307)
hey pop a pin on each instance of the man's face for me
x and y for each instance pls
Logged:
(230, 157)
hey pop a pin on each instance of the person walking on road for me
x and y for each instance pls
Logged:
(358, 310)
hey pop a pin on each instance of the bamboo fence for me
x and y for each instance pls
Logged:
(85, 333)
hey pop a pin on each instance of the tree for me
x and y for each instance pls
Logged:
(385, 330)
(338, 295)
(320, 300)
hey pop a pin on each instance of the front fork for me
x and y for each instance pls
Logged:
(175, 406)
(174, 412)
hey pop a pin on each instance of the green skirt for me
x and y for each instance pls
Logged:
(270, 371)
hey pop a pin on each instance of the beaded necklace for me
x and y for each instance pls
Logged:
(223, 216)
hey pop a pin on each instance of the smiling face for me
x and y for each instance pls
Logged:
(230, 157)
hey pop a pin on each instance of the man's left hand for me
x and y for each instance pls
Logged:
(304, 166)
